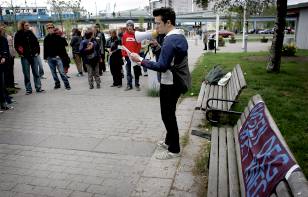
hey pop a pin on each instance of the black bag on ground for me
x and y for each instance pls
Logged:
(214, 75)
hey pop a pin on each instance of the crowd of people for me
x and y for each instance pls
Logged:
(89, 50)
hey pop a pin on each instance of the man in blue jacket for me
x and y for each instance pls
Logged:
(173, 58)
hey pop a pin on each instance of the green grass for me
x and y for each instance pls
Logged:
(285, 94)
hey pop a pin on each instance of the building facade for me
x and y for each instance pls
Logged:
(299, 8)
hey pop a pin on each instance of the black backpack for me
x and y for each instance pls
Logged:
(214, 75)
(181, 75)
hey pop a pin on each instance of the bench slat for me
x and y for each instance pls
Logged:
(298, 184)
(236, 84)
(200, 96)
(233, 87)
(238, 158)
(207, 95)
(224, 96)
(240, 75)
(234, 188)
(282, 190)
(215, 95)
(213, 168)
(220, 96)
(222, 164)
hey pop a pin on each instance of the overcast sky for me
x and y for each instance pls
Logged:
(90, 4)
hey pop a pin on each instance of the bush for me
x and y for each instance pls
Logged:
(288, 50)
(263, 39)
(221, 41)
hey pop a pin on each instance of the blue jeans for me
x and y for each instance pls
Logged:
(129, 73)
(54, 63)
(26, 64)
(40, 68)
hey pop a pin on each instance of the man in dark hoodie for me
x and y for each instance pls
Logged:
(28, 48)
(173, 57)
(54, 49)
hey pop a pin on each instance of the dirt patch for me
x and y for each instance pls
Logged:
(301, 59)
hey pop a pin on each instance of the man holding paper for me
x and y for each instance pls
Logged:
(129, 43)
(175, 77)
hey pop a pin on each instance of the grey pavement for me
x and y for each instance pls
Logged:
(95, 143)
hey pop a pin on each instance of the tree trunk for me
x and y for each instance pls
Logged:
(275, 51)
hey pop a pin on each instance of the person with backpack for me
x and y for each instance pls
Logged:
(175, 77)
(90, 51)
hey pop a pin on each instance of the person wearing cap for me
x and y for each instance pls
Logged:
(28, 48)
(129, 41)
(54, 49)
(101, 41)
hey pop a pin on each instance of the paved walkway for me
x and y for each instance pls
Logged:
(91, 143)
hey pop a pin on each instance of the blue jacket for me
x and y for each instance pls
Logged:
(173, 51)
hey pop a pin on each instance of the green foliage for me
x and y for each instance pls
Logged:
(288, 50)
(285, 94)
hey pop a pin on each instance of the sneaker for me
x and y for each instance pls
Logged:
(98, 86)
(128, 88)
(57, 86)
(28, 92)
(40, 91)
(145, 74)
(68, 87)
(162, 145)
(119, 86)
(167, 155)
(78, 75)
(138, 88)
(91, 87)
(6, 107)
(113, 85)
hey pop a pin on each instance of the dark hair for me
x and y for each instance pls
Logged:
(88, 34)
(166, 14)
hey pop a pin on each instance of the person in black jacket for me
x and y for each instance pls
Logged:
(101, 41)
(28, 48)
(54, 49)
(75, 43)
(115, 59)
(4, 60)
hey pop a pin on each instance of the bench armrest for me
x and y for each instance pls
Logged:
(212, 110)
(216, 99)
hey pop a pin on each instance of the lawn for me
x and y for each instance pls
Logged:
(286, 93)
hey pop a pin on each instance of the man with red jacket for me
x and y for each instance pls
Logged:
(129, 41)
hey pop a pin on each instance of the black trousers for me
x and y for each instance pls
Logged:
(116, 71)
(102, 65)
(2, 88)
(169, 96)
(9, 74)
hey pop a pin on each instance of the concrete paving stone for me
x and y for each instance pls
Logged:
(78, 186)
(7, 185)
(41, 190)
(61, 184)
(21, 138)
(184, 181)
(58, 175)
(97, 189)
(70, 142)
(93, 180)
(60, 193)
(126, 147)
(7, 193)
(44, 182)
(175, 193)
(148, 187)
(81, 194)
(23, 188)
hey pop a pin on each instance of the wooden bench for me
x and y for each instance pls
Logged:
(225, 164)
(220, 98)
